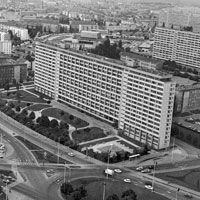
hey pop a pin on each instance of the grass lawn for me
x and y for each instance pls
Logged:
(95, 189)
(39, 153)
(38, 107)
(55, 112)
(25, 97)
(88, 134)
(21, 104)
(186, 178)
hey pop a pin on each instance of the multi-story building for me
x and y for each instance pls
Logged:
(133, 59)
(5, 42)
(20, 32)
(187, 98)
(180, 46)
(139, 99)
(11, 69)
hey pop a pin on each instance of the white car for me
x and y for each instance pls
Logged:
(145, 170)
(139, 168)
(71, 154)
(118, 170)
(127, 180)
(149, 187)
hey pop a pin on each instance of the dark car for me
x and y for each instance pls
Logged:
(188, 195)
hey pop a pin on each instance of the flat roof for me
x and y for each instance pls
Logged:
(118, 63)
(140, 57)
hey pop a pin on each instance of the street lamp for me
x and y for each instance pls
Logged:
(58, 156)
(64, 174)
(173, 149)
(109, 157)
(6, 191)
(154, 169)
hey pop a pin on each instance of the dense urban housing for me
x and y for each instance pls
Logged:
(139, 99)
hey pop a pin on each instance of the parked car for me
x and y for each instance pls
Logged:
(118, 170)
(127, 180)
(188, 195)
(139, 168)
(71, 154)
(149, 187)
(145, 170)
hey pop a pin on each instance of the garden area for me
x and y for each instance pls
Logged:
(22, 95)
(88, 134)
(186, 178)
(90, 189)
(61, 115)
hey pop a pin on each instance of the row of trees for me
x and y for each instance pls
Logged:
(49, 128)
(108, 50)
(81, 192)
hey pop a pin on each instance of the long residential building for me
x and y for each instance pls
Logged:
(139, 99)
(180, 46)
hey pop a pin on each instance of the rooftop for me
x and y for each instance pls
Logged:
(140, 57)
(51, 41)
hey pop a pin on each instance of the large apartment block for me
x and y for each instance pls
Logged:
(180, 46)
(139, 99)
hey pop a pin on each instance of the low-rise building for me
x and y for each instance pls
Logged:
(133, 59)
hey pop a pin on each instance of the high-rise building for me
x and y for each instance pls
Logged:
(139, 99)
(180, 46)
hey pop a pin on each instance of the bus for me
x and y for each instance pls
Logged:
(134, 156)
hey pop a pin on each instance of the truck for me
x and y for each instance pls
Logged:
(109, 172)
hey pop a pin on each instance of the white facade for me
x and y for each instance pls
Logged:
(6, 47)
(180, 46)
(140, 100)
(5, 43)
(20, 32)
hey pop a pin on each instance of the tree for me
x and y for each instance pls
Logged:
(62, 112)
(120, 44)
(6, 87)
(77, 195)
(53, 123)
(113, 197)
(18, 108)
(189, 137)
(44, 121)
(24, 112)
(64, 125)
(71, 117)
(129, 195)
(82, 191)
(66, 188)
(12, 105)
(32, 115)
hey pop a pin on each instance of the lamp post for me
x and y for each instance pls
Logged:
(109, 159)
(58, 151)
(64, 174)
(6, 191)
(154, 169)
(173, 149)
(69, 174)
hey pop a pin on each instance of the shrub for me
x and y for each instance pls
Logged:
(62, 112)
(71, 117)
(18, 109)
(32, 115)
(28, 104)
(12, 105)
(24, 112)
